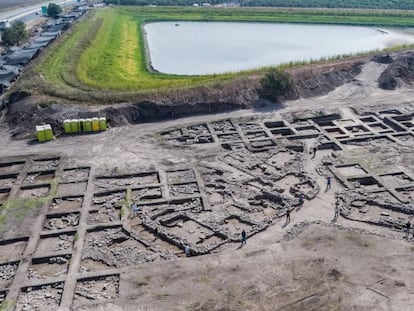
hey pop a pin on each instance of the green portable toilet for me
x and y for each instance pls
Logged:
(74, 124)
(102, 124)
(48, 132)
(95, 124)
(88, 125)
(40, 133)
(67, 126)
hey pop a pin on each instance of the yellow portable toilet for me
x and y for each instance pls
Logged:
(40, 133)
(67, 126)
(88, 125)
(102, 124)
(95, 124)
(48, 132)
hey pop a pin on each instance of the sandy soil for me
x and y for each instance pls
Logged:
(315, 262)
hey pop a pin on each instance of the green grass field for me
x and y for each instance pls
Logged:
(106, 51)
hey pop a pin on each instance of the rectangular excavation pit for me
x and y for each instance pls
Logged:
(357, 129)
(307, 130)
(113, 247)
(54, 243)
(350, 170)
(180, 176)
(76, 174)
(8, 180)
(35, 191)
(250, 126)
(183, 190)
(66, 204)
(4, 194)
(396, 179)
(223, 126)
(48, 267)
(369, 183)
(171, 134)
(368, 119)
(234, 226)
(281, 132)
(346, 122)
(11, 167)
(335, 131)
(45, 297)
(256, 135)
(114, 198)
(75, 188)
(62, 221)
(175, 205)
(234, 146)
(325, 123)
(229, 137)
(12, 249)
(275, 124)
(187, 229)
(147, 193)
(128, 180)
(400, 117)
(104, 215)
(365, 141)
(45, 164)
(39, 177)
(199, 129)
(407, 193)
(378, 127)
(95, 290)
(406, 138)
(408, 124)
(265, 143)
(7, 273)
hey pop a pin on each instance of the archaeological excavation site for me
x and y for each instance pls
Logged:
(323, 187)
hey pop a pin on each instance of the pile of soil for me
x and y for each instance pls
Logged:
(399, 72)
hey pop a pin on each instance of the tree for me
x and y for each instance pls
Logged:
(275, 84)
(53, 10)
(15, 34)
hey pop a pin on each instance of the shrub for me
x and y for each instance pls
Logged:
(275, 84)
(53, 10)
(15, 34)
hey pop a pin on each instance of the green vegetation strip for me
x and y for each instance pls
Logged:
(107, 50)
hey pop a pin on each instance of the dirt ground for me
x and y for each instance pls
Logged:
(198, 182)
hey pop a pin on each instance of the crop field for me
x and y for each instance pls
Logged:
(106, 51)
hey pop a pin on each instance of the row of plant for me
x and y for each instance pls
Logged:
(367, 4)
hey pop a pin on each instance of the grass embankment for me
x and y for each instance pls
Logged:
(106, 52)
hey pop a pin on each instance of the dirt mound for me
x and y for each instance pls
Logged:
(382, 59)
(398, 73)
(25, 111)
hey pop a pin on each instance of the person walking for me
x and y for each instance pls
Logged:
(315, 149)
(135, 209)
(187, 250)
(243, 237)
(337, 210)
(287, 216)
(407, 228)
(301, 200)
(328, 183)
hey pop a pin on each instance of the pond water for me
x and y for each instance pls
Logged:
(190, 48)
